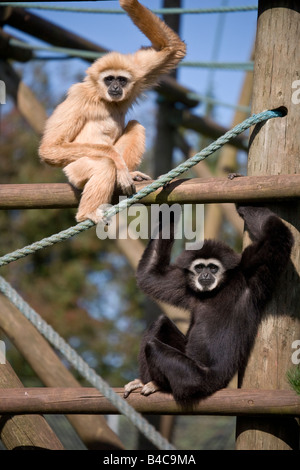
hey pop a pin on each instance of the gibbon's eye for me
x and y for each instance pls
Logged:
(213, 268)
(122, 80)
(199, 267)
(108, 80)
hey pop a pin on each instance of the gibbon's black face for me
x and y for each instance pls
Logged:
(115, 85)
(206, 274)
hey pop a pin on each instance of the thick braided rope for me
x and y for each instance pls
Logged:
(83, 368)
(82, 226)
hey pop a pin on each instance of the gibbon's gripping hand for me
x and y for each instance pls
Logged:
(139, 176)
(124, 3)
(254, 218)
(125, 182)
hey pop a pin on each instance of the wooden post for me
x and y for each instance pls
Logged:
(274, 149)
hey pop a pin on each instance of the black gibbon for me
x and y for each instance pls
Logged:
(225, 293)
(87, 134)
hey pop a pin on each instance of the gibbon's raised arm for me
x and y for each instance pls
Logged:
(156, 276)
(264, 260)
(167, 48)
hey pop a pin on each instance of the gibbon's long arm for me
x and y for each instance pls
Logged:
(167, 48)
(265, 259)
(157, 277)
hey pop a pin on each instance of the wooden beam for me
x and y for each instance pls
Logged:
(226, 402)
(247, 189)
(13, 52)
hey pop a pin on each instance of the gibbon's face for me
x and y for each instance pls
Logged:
(206, 274)
(115, 84)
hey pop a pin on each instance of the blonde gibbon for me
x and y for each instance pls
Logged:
(87, 134)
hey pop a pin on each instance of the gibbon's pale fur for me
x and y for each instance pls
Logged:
(87, 135)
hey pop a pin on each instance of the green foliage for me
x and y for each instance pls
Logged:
(293, 376)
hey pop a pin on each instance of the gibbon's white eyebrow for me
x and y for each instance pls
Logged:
(115, 73)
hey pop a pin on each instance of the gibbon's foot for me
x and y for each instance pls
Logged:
(231, 176)
(96, 216)
(149, 388)
(133, 385)
(139, 176)
(125, 182)
(80, 217)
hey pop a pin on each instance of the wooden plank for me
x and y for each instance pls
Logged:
(226, 402)
(24, 432)
(248, 189)
(274, 149)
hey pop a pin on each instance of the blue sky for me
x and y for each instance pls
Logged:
(198, 31)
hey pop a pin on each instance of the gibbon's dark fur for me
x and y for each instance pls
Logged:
(224, 321)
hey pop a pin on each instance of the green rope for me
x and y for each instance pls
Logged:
(96, 55)
(160, 11)
(247, 66)
(160, 182)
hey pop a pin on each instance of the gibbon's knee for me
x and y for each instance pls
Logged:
(167, 332)
(134, 126)
(173, 370)
(78, 172)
